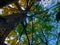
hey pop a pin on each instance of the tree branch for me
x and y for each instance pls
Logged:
(24, 28)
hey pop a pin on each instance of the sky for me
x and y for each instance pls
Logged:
(1, 10)
(46, 4)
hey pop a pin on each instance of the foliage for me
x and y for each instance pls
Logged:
(38, 28)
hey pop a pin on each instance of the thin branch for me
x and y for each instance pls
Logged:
(24, 28)
(44, 37)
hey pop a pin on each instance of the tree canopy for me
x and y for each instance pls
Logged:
(28, 22)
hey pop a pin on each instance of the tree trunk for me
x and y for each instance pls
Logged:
(7, 23)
